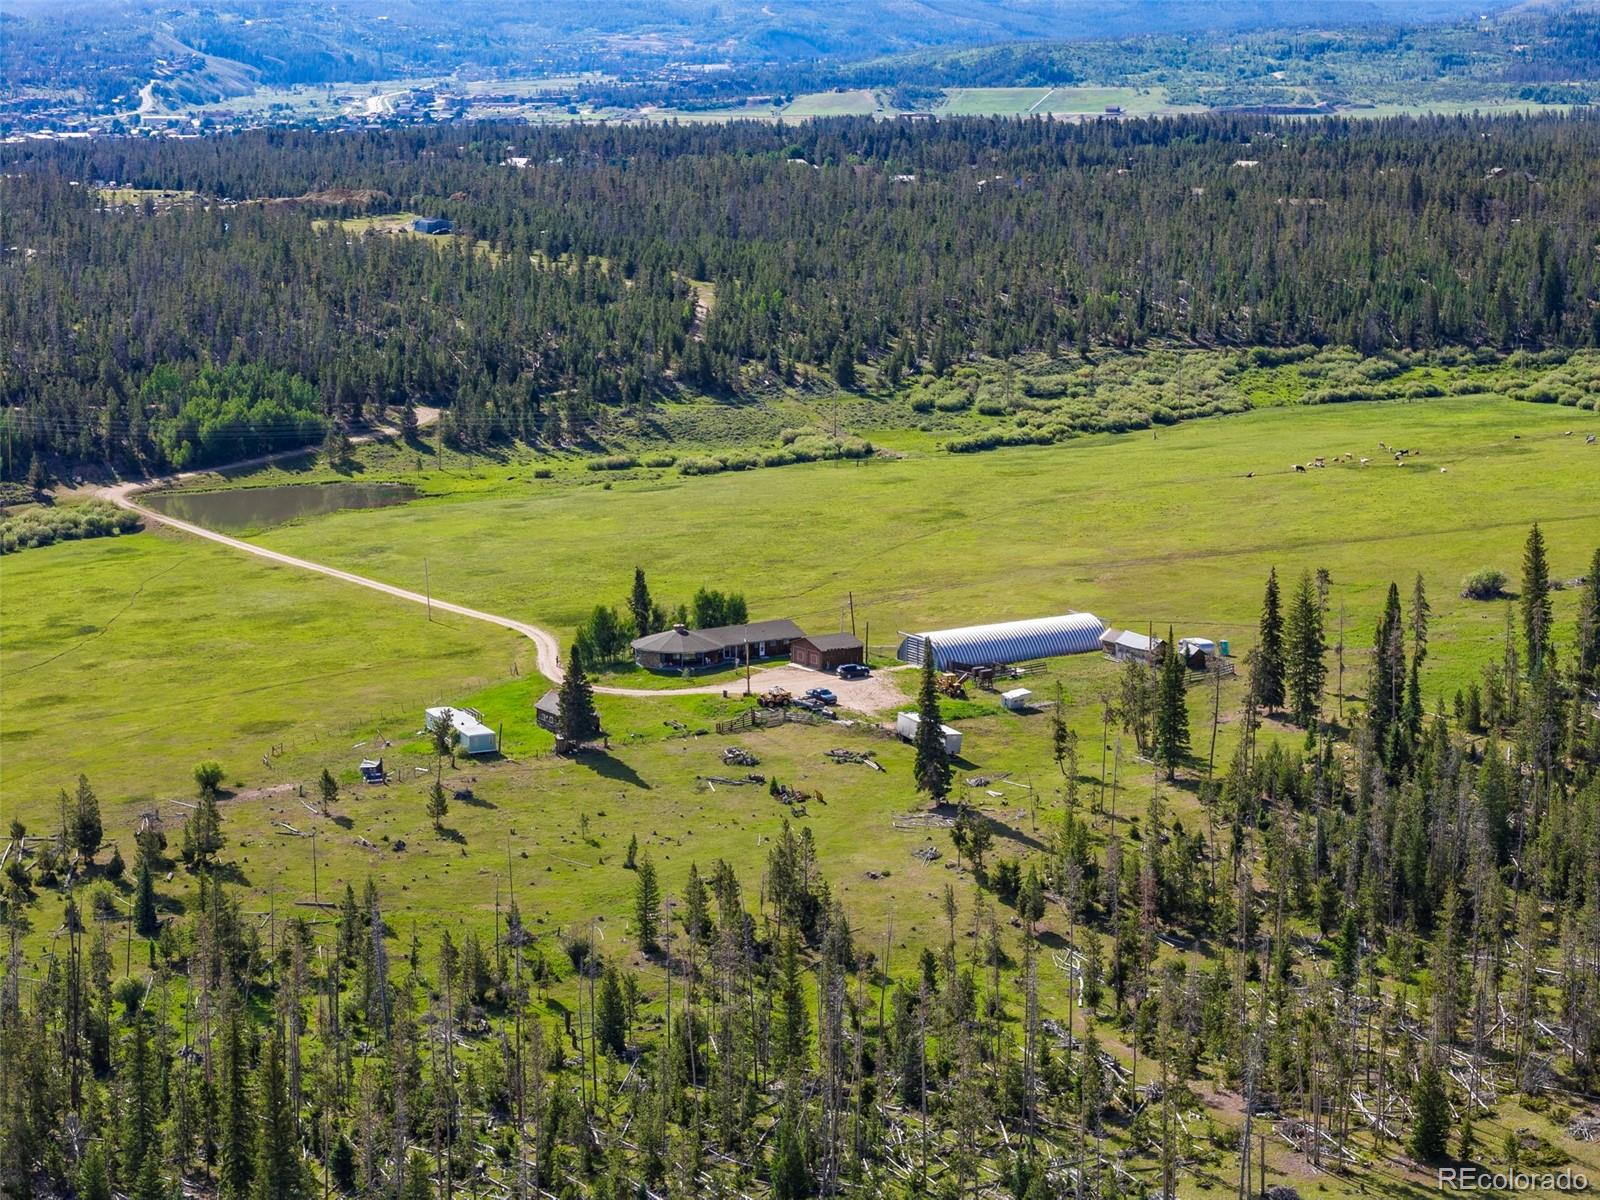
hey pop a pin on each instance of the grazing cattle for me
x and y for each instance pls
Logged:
(1443, 470)
(1365, 461)
(1299, 468)
(1249, 474)
(1589, 440)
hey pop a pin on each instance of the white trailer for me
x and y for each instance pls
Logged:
(1017, 699)
(905, 724)
(476, 737)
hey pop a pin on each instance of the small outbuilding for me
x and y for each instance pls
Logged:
(1017, 699)
(827, 651)
(476, 737)
(431, 225)
(547, 711)
(1124, 644)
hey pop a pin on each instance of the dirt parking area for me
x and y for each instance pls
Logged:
(877, 693)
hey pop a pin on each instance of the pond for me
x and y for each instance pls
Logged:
(241, 510)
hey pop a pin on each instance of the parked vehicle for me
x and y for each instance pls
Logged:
(825, 695)
(854, 671)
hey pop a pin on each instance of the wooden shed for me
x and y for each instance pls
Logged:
(827, 651)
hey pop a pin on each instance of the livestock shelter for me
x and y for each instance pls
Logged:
(1005, 642)
(1124, 644)
(827, 651)
(683, 649)
(476, 737)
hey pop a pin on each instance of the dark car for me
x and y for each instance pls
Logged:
(822, 695)
(854, 671)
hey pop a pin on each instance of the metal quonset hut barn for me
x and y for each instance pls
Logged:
(1006, 642)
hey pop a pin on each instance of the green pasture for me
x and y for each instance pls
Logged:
(1162, 527)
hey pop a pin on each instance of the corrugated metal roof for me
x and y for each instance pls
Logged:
(710, 641)
(1007, 641)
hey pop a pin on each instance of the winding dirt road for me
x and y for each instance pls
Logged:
(866, 695)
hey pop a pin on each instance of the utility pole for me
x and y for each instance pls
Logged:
(314, 897)
(852, 596)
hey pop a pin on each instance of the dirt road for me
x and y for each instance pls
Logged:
(866, 695)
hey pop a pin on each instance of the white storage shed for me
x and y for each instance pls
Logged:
(905, 724)
(1017, 698)
(476, 737)
(1006, 642)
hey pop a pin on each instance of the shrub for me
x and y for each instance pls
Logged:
(660, 460)
(543, 473)
(701, 466)
(1486, 583)
(45, 526)
(612, 462)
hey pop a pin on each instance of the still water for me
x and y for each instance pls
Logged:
(244, 509)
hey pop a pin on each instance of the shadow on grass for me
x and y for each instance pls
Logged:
(343, 822)
(611, 768)
(447, 834)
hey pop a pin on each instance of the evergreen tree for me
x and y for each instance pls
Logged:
(1269, 674)
(438, 803)
(646, 904)
(640, 606)
(611, 1014)
(279, 1172)
(202, 833)
(1430, 1130)
(1535, 600)
(327, 789)
(932, 766)
(93, 1183)
(1172, 711)
(236, 1131)
(146, 917)
(1386, 690)
(408, 421)
(580, 722)
(791, 1177)
(140, 1116)
(1420, 611)
(1589, 624)
(794, 1027)
(85, 829)
(1305, 651)
(1347, 963)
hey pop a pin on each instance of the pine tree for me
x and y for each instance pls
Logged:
(1420, 611)
(1535, 600)
(932, 766)
(611, 1015)
(236, 1152)
(791, 1177)
(438, 802)
(579, 722)
(1269, 674)
(202, 833)
(93, 1183)
(279, 1174)
(1430, 1130)
(1589, 624)
(146, 917)
(1305, 651)
(794, 1028)
(139, 1114)
(640, 606)
(1172, 711)
(1347, 964)
(327, 788)
(86, 829)
(646, 904)
(1063, 744)
(408, 421)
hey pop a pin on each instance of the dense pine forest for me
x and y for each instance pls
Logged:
(1397, 900)
(235, 298)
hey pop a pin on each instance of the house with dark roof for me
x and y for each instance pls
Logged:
(683, 649)
(827, 651)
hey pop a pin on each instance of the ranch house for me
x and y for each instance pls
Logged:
(683, 649)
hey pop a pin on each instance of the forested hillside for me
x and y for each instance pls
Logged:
(620, 265)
